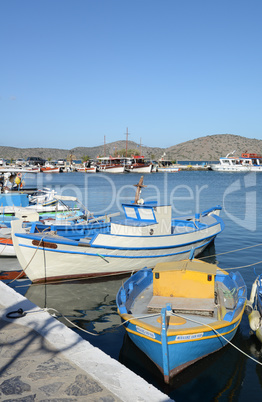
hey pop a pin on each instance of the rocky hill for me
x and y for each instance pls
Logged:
(212, 147)
(209, 148)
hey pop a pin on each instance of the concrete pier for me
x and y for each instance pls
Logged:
(43, 360)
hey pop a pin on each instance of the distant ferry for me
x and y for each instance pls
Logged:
(248, 162)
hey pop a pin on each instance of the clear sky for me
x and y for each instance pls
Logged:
(74, 71)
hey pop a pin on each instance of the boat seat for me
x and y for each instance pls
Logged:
(185, 305)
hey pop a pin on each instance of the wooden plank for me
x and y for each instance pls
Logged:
(182, 304)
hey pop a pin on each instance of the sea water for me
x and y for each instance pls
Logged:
(226, 375)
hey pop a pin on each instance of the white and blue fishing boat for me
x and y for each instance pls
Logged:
(254, 308)
(72, 220)
(147, 235)
(181, 311)
(43, 201)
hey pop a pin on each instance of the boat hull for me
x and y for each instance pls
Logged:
(44, 258)
(87, 170)
(50, 169)
(139, 169)
(168, 170)
(111, 169)
(182, 354)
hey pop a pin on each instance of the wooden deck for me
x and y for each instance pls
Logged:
(183, 305)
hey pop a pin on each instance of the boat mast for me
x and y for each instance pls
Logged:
(139, 187)
(127, 134)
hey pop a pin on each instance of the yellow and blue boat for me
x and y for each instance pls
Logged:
(181, 311)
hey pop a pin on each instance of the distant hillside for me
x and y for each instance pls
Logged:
(212, 147)
(209, 148)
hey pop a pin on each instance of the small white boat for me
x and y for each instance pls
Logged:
(181, 311)
(137, 164)
(246, 163)
(50, 169)
(41, 201)
(111, 165)
(73, 223)
(147, 235)
(167, 166)
(87, 167)
(168, 169)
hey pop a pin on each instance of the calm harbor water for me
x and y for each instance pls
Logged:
(225, 375)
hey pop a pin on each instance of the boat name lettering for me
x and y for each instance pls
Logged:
(187, 337)
(145, 332)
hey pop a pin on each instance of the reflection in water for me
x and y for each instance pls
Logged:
(90, 304)
(209, 254)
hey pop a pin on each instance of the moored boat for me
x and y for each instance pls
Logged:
(50, 169)
(147, 235)
(72, 222)
(248, 162)
(111, 165)
(41, 201)
(87, 167)
(254, 308)
(167, 166)
(137, 164)
(181, 311)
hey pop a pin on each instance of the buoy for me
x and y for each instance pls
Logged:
(250, 302)
(253, 292)
(254, 320)
(259, 334)
(17, 180)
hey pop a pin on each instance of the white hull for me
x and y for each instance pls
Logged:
(220, 168)
(105, 255)
(169, 170)
(12, 210)
(10, 169)
(87, 170)
(246, 163)
(141, 169)
(111, 169)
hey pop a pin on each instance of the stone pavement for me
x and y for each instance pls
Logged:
(43, 360)
(31, 369)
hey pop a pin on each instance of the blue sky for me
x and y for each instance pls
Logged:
(74, 71)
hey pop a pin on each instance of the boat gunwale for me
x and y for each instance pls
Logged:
(190, 331)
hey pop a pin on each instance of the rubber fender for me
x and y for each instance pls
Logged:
(254, 320)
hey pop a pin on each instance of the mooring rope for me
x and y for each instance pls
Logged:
(219, 335)
(22, 313)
